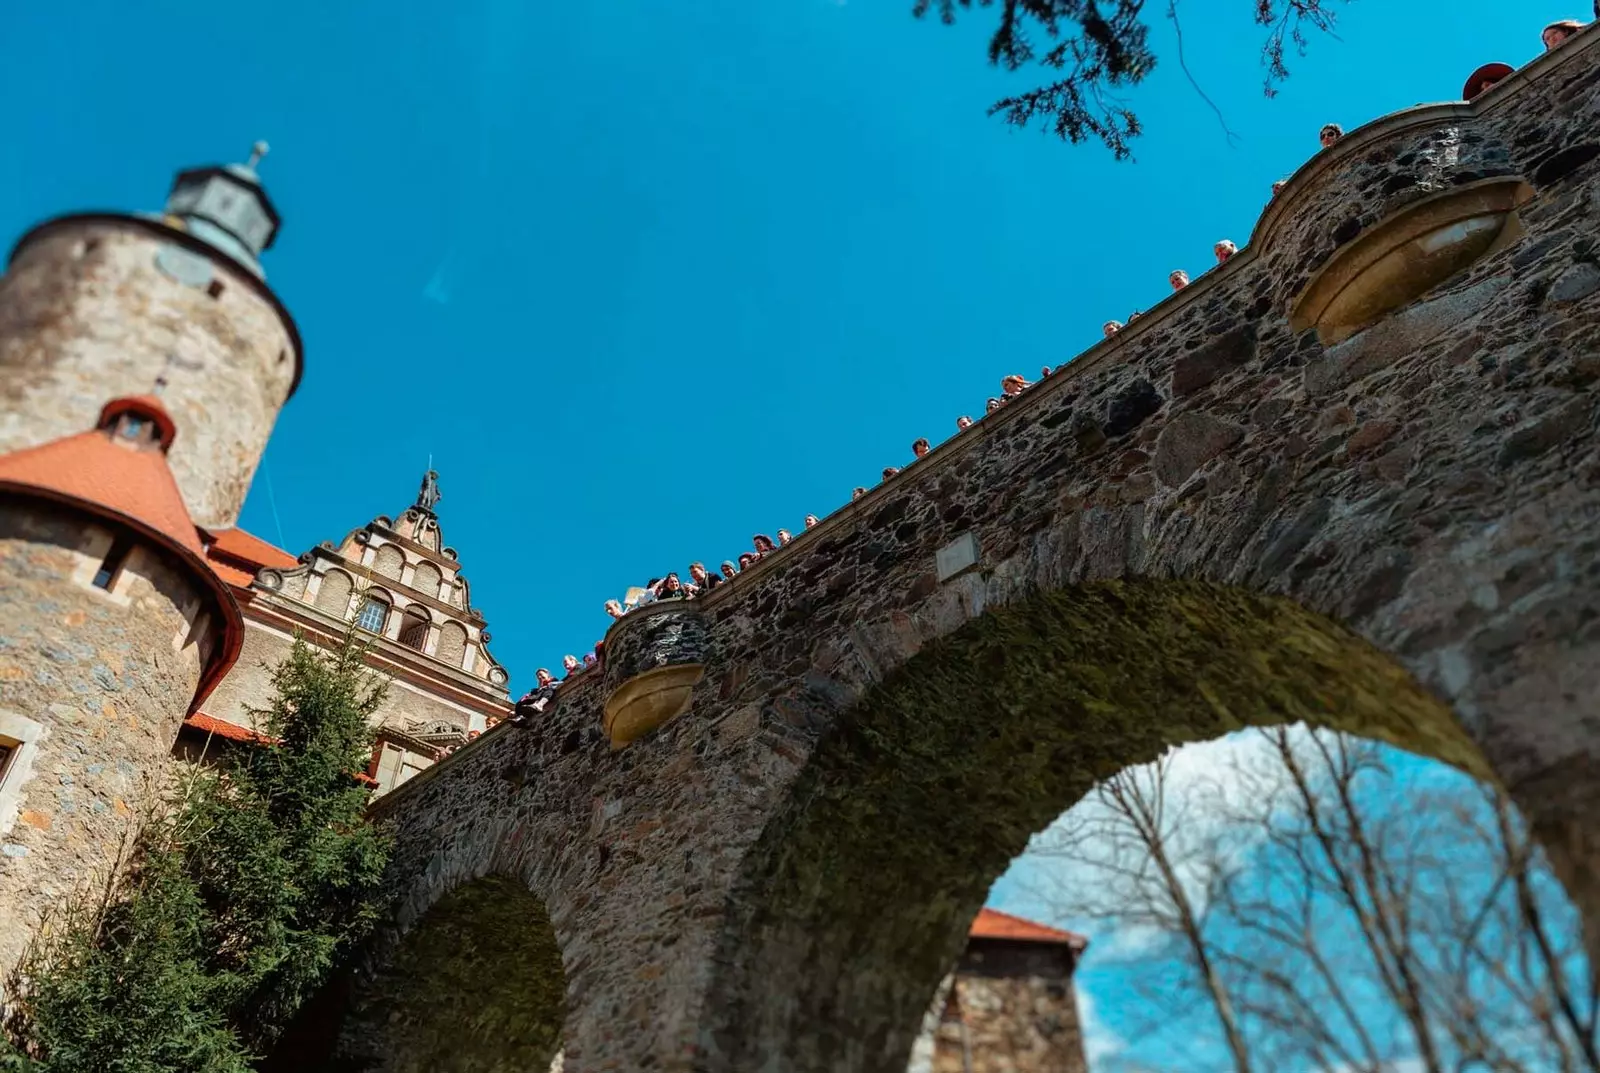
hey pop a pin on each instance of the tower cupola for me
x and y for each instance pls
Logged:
(225, 206)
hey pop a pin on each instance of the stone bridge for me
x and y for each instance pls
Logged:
(1350, 477)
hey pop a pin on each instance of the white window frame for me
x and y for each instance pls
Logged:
(21, 735)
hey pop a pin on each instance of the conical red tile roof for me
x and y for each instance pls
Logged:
(129, 482)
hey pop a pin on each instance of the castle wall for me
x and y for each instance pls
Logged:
(1217, 518)
(98, 682)
(85, 315)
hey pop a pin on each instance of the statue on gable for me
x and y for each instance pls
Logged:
(428, 497)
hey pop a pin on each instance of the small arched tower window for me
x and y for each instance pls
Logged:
(389, 561)
(374, 615)
(414, 629)
(425, 579)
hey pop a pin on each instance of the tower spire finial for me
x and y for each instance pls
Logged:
(258, 152)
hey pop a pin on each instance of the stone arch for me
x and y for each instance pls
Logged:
(334, 595)
(855, 899)
(425, 579)
(389, 561)
(452, 643)
(476, 985)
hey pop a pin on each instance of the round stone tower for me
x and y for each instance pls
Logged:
(101, 304)
(116, 627)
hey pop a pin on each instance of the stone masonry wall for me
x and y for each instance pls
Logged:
(1207, 521)
(86, 316)
(100, 676)
(1010, 1011)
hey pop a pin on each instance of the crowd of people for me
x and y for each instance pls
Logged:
(702, 580)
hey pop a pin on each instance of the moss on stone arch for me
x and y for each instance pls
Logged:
(857, 896)
(475, 987)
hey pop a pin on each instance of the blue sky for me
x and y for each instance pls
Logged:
(645, 279)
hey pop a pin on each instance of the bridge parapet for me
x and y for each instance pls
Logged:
(1420, 500)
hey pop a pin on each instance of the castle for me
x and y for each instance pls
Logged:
(145, 361)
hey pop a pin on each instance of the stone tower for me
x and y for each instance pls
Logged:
(115, 627)
(98, 305)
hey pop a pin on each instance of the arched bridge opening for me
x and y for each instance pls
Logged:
(856, 899)
(476, 986)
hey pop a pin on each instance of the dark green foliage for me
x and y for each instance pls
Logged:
(1094, 49)
(123, 989)
(243, 892)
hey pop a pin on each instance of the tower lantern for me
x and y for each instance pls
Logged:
(226, 206)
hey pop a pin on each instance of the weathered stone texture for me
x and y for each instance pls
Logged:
(478, 990)
(663, 634)
(1397, 537)
(102, 676)
(85, 316)
(1008, 1009)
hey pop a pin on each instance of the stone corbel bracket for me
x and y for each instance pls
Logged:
(654, 657)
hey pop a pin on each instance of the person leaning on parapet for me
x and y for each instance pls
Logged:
(1012, 386)
(1330, 133)
(920, 447)
(701, 579)
(784, 536)
(615, 609)
(536, 700)
(963, 423)
(764, 545)
(811, 520)
(1110, 328)
(1178, 278)
(570, 666)
(1483, 78)
(1224, 250)
(1562, 31)
(671, 589)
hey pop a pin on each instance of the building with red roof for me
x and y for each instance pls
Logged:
(145, 360)
(1009, 1005)
(398, 581)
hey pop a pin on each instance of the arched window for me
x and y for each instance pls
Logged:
(452, 643)
(374, 614)
(426, 579)
(414, 629)
(389, 561)
(334, 596)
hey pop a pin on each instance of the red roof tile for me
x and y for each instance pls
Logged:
(236, 555)
(246, 546)
(130, 483)
(210, 724)
(96, 470)
(993, 924)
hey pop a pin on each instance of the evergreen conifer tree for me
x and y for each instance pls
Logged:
(241, 895)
